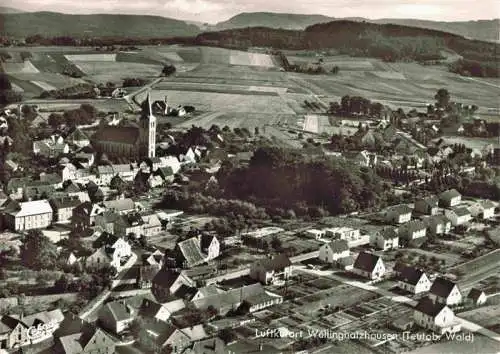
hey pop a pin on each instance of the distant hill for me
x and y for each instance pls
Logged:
(9, 10)
(481, 29)
(53, 24)
(271, 20)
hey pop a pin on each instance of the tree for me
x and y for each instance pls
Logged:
(168, 70)
(5, 83)
(62, 284)
(276, 243)
(55, 120)
(256, 131)
(38, 252)
(442, 98)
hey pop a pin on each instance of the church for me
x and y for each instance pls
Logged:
(133, 141)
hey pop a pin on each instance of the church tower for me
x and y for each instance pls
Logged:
(148, 127)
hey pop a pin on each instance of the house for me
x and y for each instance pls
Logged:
(52, 147)
(107, 220)
(438, 225)
(146, 275)
(104, 175)
(78, 138)
(166, 174)
(484, 209)
(196, 250)
(476, 297)
(253, 297)
(167, 282)
(269, 269)
(213, 345)
(130, 224)
(167, 217)
(172, 162)
(126, 172)
(434, 316)
(22, 216)
(458, 215)
(116, 316)
(151, 225)
(160, 312)
(366, 159)
(68, 172)
(413, 280)
(450, 198)
(85, 215)
(83, 338)
(315, 234)
(63, 208)
(427, 206)
(155, 258)
(369, 266)
(207, 291)
(114, 242)
(332, 251)
(13, 332)
(386, 239)
(121, 206)
(343, 233)
(50, 320)
(445, 292)
(155, 181)
(398, 214)
(413, 231)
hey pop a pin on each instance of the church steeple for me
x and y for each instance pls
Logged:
(149, 124)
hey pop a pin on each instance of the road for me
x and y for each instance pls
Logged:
(470, 326)
(131, 98)
(99, 300)
(245, 271)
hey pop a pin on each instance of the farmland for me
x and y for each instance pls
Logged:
(239, 88)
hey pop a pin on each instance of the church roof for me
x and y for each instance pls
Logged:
(125, 135)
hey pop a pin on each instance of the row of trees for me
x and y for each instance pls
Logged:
(85, 114)
(475, 68)
(356, 105)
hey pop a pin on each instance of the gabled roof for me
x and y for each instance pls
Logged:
(428, 307)
(366, 261)
(278, 262)
(437, 220)
(147, 273)
(414, 225)
(338, 246)
(118, 310)
(428, 201)
(400, 209)
(474, 294)
(119, 204)
(121, 134)
(166, 277)
(77, 135)
(487, 204)
(36, 207)
(411, 275)
(461, 211)
(388, 233)
(442, 287)
(65, 202)
(105, 239)
(209, 346)
(191, 251)
(449, 194)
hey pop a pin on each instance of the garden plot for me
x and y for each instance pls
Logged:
(91, 57)
(393, 75)
(214, 71)
(221, 88)
(250, 59)
(14, 68)
(44, 86)
(225, 102)
(117, 71)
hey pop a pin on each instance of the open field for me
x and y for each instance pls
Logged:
(116, 71)
(24, 68)
(91, 57)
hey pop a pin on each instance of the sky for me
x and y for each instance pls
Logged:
(213, 11)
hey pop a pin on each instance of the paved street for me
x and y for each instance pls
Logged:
(89, 313)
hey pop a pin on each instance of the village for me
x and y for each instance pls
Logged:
(130, 231)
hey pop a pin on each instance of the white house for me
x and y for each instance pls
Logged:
(398, 214)
(386, 239)
(476, 297)
(333, 251)
(268, 269)
(438, 225)
(445, 291)
(21, 216)
(369, 266)
(343, 233)
(458, 215)
(315, 234)
(450, 198)
(413, 230)
(484, 209)
(414, 280)
(436, 317)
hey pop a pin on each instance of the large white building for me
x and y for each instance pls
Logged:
(21, 216)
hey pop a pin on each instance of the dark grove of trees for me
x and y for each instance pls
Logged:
(356, 105)
(278, 178)
(73, 92)
(7, 94)
(168, 70)
(133, 82)
(475, 68)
